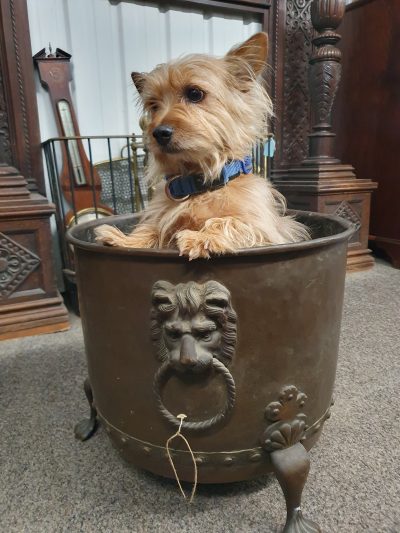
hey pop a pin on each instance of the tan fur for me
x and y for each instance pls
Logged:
(225, 125)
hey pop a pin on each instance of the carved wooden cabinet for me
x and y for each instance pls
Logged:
(307, 170)
(29, 300)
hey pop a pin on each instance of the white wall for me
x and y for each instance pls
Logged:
(110, 38)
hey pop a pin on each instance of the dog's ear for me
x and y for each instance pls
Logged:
(254, 52)
(138, 79)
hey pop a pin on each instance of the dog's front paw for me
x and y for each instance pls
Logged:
(110, 235)
(142, 237)
(192, 244)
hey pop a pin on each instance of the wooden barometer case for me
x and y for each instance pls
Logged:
(80, 180)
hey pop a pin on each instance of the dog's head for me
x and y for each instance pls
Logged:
(204, 110)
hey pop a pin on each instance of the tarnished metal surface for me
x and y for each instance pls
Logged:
(288, 302)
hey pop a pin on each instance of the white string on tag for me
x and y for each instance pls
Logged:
(178, 434)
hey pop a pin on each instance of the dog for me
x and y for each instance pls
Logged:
(204, 116)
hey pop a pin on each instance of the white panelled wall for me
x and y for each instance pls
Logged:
(108, 39)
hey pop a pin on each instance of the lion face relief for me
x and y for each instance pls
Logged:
(192, 323)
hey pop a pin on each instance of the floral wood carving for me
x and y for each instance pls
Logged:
(288, 422)
(16, 263)
(296, 112)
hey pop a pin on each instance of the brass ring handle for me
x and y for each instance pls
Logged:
(162, 376)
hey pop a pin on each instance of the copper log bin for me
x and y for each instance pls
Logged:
(259, 401)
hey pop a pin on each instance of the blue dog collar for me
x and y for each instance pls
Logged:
(180, 188)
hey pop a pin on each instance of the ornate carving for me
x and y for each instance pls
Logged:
(327, 14)
(346, 211)
(16, 263)
(21, 90)
(193, 327)
(288, 423)
(324, 83)
(324, 73)
(200, 312)
(289, 458)
(5, 147)
(296, 112)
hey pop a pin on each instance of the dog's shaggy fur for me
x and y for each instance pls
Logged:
(230, 118)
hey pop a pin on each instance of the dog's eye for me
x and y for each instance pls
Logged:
(194, 94)
(153, 107)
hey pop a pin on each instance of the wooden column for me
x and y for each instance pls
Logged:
(29, 300)
(321, 182)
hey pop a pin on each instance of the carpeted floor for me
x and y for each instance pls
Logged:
(52, 483)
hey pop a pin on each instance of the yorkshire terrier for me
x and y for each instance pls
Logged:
(205, 114)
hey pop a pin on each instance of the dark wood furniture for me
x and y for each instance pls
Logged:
(29, 300)
(311, 177)
(367, 111)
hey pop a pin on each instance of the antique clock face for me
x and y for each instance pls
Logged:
(69, 131)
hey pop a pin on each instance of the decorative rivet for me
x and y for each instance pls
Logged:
(228, 461)
(199, 460)
(124, 440)
(255, 457)
(146, 450)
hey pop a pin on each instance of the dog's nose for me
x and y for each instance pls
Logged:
(163, 134)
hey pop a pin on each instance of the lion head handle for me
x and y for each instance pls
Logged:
(192, 323)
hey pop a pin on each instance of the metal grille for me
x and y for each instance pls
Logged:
(115, 180)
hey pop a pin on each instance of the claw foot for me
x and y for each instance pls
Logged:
(296, 523)
(86, 427)
(291, 466)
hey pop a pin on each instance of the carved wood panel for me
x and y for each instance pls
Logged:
(296, 94)
(16, 264)
(20, 134)
(5, 146)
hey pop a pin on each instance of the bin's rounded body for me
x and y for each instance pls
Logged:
(277, 354)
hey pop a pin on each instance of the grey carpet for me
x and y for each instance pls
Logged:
(52, 483)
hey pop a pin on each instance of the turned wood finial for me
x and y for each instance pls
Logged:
(324, 76)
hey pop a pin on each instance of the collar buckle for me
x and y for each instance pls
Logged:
(168, 191)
